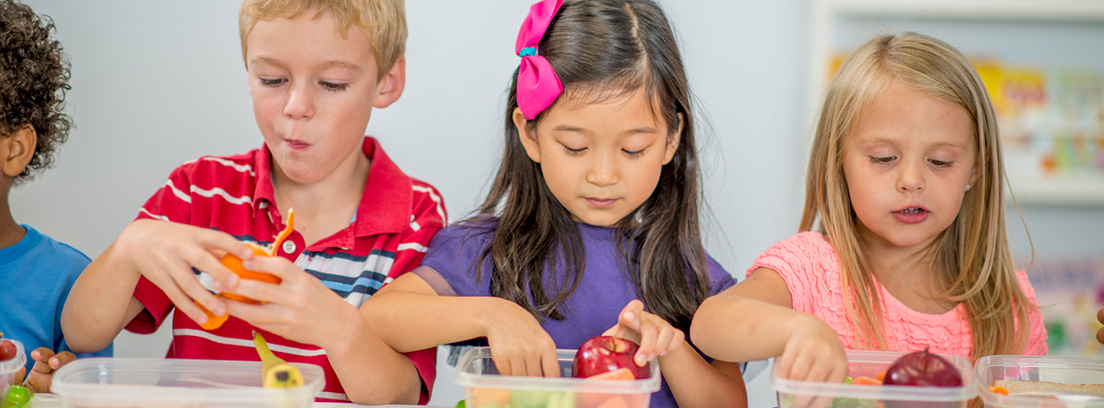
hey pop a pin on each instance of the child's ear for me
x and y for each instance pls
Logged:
(673, 141)
(528, 139)
(18, 149)
(391, 86)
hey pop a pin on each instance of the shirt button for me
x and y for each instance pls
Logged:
(289, 247)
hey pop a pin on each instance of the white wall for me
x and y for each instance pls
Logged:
(156, 83)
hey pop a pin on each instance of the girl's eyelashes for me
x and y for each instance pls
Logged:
(882, 160)
(940, 163)
(574, 151)
(633, 153)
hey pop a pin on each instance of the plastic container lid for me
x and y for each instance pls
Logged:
(135, 382)
(1062, 370)
(869, 364)
(477, 370)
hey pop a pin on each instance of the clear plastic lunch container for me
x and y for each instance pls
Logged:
(139, 382)
(1056, 370)
(8, 368)
(484, 387)
(803, 394)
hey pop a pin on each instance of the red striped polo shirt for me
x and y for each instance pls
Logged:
(396, 218)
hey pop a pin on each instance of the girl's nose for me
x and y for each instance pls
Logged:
(911, 178)
(300, 103)
(603, 171)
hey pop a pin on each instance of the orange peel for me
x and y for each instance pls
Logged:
(234, 264)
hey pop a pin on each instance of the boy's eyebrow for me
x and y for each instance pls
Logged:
(326, 65)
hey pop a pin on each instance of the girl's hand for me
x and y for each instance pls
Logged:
(519, 345)
(165, 253)
(46, 362)
(812, 353)
(300, 308)
(655, 336)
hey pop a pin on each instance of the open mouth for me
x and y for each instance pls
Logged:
(913, 210)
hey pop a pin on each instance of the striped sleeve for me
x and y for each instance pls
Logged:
(428, 216)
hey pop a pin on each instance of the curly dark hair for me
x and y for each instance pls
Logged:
(34, 75)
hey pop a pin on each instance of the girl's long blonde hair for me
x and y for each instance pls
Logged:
(972, 255)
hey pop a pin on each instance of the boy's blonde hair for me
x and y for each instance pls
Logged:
(383, 22)
(972, 255)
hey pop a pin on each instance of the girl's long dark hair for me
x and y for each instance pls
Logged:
(603, 49)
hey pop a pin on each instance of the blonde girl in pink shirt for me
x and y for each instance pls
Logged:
(903, 244)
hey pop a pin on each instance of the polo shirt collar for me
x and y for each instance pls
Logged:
(385, 207)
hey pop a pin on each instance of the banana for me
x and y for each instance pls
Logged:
(275, 372)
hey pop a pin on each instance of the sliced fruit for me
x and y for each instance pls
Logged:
(860, 380)
(619, 374)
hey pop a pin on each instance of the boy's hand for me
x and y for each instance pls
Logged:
(300, 308)
(46, 362)
(519, 345)
(165, 253)
(812, 353)
(655, 335)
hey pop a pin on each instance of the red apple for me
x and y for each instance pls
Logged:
(923, 369)
(603, 354)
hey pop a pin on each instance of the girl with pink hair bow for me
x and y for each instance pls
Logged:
(591, 225)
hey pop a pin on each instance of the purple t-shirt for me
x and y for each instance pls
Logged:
(603, 291)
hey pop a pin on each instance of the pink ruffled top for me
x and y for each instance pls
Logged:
(810, 267)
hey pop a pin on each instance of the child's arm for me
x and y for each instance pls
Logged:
(753, 320)
(408, 315)
(101, 302)
(693, 381)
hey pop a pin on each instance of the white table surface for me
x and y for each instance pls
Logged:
(52, 401)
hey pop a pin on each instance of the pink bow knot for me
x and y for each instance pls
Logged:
(537, 84)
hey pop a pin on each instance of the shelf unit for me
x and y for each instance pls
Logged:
(827, 16)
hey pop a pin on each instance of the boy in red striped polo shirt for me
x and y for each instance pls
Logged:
(316, 70)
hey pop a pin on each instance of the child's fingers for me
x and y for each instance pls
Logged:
(188, 306)
(263, 292)
(784, 364)
(648, 333)
(208, 263)
(41, 354)
(550, 365)
(18, 379)
(668, 340)
(1100, 335)
(61, 359)
(630, 315)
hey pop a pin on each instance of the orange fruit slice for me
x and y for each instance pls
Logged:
(234, 263)
(998, 389)
(622, 374)
(866, 381)
(213, 322)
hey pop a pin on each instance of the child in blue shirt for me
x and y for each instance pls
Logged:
(33, 76)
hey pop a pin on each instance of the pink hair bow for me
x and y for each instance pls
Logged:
(537, 84)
